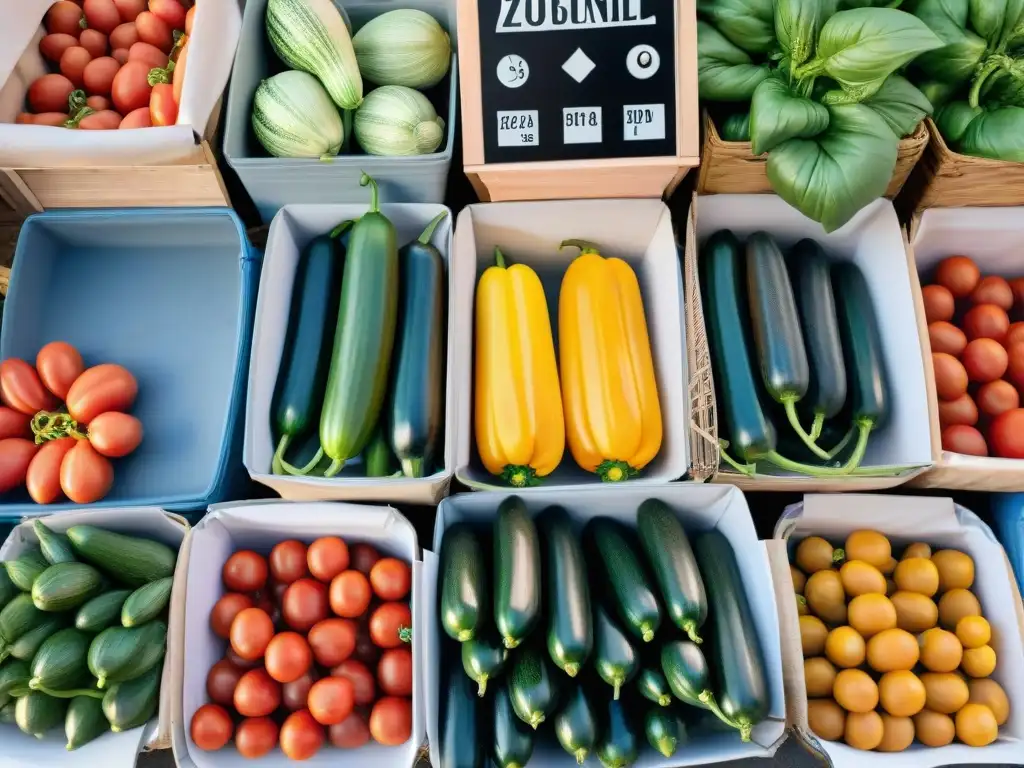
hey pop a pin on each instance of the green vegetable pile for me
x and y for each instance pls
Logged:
(630, 633)
(83, 632)
(826, 102)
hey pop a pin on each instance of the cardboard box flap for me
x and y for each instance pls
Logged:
(785, 600)
(906, 516)
(431, 672)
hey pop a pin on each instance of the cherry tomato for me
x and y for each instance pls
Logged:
(1007, 434)
(211, 727)
(986, 321)
(154, 30)
(221, 681)
(288, 561)
(304, 604)
(190, 20)
(938, 303)
(387, 624)
(238, 661)
(100, 389)
(394, 673)
(65, 18)
(950, 376)
(53, 46)
(327, 557)
(163, 109)
(124, 36)
(391, 579)
(138, 118)
(73, 64)
(85, 476)
(107, 120)
(1015, 334)
(148, 54)
(332, 641)
(959, 411)
(288, 657)
(98, 103)
(301, 736)
(391, 721)
(99, 75)
(225, 610)
(295, 693)
(959, 274)
(364, 557)
(115, 434)
(331, 700)
(43, 476)
(993, 290)
(21, 389)
(350, 594)
(960, 438)
(946, 337)
(985, 360)
(14, 424)
(94, 41)
(257, 694)
(1017, 286)
(256, 737)
(49, 93)
(101, 15)
(129, 9)
(245, 571)
(130, 89)
(996, 397)
(15, 457)
(251, 633)
(171, 12)
(1015, 365)
(350, 733)
(364, 689)
(366, 651)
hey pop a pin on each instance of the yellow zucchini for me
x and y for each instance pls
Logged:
(520, 428)
(612, 413)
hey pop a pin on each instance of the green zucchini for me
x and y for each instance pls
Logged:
(462, 737)
(8, 712)
(132, 560)
(513, 739)
(615, 658)
(18, 617)
(380, 461)
(417, 390)
(365, 335)
(84, 721)
(652, 686)
(26, 569)
(618, 745)
(670, 557)
(463, 584)
(687, 674)
(14, 673)
(60, 662)
(118, 654)
(575, 725)
(102, 611)
(738, 660)
(146, 603)
(36, 713)
(131, 703)
(532, 687)
(483, 658)
(8, 590)
(55, 546)
(64, 586)
(616, 561)
(570, 622)
(665, 730)
(517, 572)
(26, 646)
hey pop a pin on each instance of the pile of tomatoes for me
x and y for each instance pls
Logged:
(318, 649)
(121, 64)
(60, 450)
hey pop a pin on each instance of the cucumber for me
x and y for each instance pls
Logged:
(64, 586)
(575, 725)
(84, 721)
(665, 730)
(463, 583)
(14, 673)
(60, 662)
(118, 654)
(671, 559)
(738, 661)
(8, 712)
(532, 687)
(36, 713)
(483, 658)
(131, 703)
(26, 646)
(686, 672)
(18, 617)
(652, 686)
(615, 658)
(461, 734)
(8, 590)
(379, 460)
(513, 739)
(26, 569)
(129, 559)
(618, 745)
(616, 561)
(102, 611)
(570, 623)
(55, 546)
(146, 602)
(517, 572)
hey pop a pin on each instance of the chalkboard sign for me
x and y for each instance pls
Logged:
(577, 79)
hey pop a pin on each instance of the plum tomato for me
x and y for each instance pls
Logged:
(43, 477)
(85, 476)
(101, 15)
(960, 411)
(245, 571)
(288, 561)
(21, 388)
(1015, 365)
(107, 120)
(121, 57)
(255, 737)
(950, 376)
(190, 16)
(163, 109)
(148, 54)
(391, 579)
(124, 36)
(959, 274)
(128, 10)
(331, 700)
(99, 75)
(391, 721)
(53, 46)
(49, 93)
(939, 304)
(251, 633)
(301, 736)
(961, 438)
(115, 434)
(996, 397)
(332, 641)
(1007, 434)
(98, 103)
(1015, 334)
(64, 17)
(364, 688)
(72, 65)
(52, 119)
(986, 321)
(394, 672)
(993, 290)
(350, 594)
(364, 557)
(16, 456)
(221, 681)
(295, 693)
(984, 360)
(304, 604)
(946, 337)
(14, 424)
(137, 118)
(257, 694)
(288, 657)
(390, 625)
(327, 557)
(225, 610)
(131, 89)
(99, 389)
(154, 30)
(94, 41)
(171, 12)
(211, 727)
(350, 733)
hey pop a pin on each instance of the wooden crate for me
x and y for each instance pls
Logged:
(16, 200)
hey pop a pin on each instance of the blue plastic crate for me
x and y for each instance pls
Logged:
(1008, 516)
(170, 294)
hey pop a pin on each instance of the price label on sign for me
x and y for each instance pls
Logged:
(643, 122)
(518, 128)
(581, 125)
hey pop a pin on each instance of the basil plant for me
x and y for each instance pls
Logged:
(825, 100)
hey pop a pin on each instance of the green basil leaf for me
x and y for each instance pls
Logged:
(995, 20)
(796, 26)
(832, 176)
(777, 115)
(736, 127)
(847, 4)
(952, 121)
(900, 104)
(749, 24)
(998, 135)
(937, 92)
(1004, 89)
(724, 71)
(963, 50)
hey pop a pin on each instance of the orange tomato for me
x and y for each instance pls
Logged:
(389, 624)
(115, 434)
(107, 120)
(15, 456)
(128, 10)
(950, 376)
(43, 476)
(939, 304)
(171, 12)
(163, 109)
(190, 19)
(288, 657)
(100, 389)
(301, 736)
(255, 737)
(993, 290)
(959, 274)
(331, 700)
(178, 78)
(53, 119)
(986, 321)
(137, 118)
(85, 476)
(21, 389)
(53, 45)
(211, 727)
(391, 579)
(350, 594)
(996, 397)
(391, 721)
(154, 30)
(327, 557)
(59, 364)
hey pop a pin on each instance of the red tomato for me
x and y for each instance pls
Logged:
(366, 651)
(1007, 434)
(211, 727)
(245, 571)
(59, 364)
(98, 103)
(15, 456)
(73, 64)
(53, 46)
(304, 604)
(1015, 334)
(43, 477)
(993, 290)
(121, 57)
(171, 12)
(130, 89)
(986, 321)
(961, 438)
(52, 119)
(350, 733)
(288, 561)
(996, 397)
(178, 76)
(190, 20)
(94, 41)
(295, 693)
(350, 594)
(363, 688)
(364, 557)
(1017, 286)
(21, 389)
(288, 657)
(959, 411)
(390, 625)
(256, 737)
(154, 30)
(391, 579)
(238, 661)
(150, 55)
(85, 476)
(107, 120)
(946, 337)
(391, 721)
(65, 18)
(1015, 365)
(332, 641)
(129, 9)
(257, 694)
(138, 118)
(985, 360)
(100, 389)
(327, 557)
(950, 376)
(163, 109)
(115, 434)
(49, 93)
(99, 75)
(301, 736)
(251, 633)
(959, 274)
(14, 424)
(938, 303)
(221, 682)
(225, 610)
(394, 673)
(101, 15)
(124, 36)
(331, 700)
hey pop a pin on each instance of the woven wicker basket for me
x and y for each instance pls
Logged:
(729, 167)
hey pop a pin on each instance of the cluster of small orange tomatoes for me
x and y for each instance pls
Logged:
(318, 649)
(59, 451)
(978, 358)
(121, 64)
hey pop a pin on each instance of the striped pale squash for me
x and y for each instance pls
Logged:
(395, 120)
(293, 116)
(403, 47)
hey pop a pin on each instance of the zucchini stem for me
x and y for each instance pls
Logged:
(690, 627)
(340, 229)
(581, 756)
(365, 180)
(844, 442)
(335, 468)
(809, 469)
(794, 421)
(746, 469)
(307, 468)
(412, 467)
(664, 701)
(90, 692)
(707, 698)
(571, 669)
(817, 426)
(428, 233)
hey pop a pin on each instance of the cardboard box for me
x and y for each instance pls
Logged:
(699, 507)
(259, 525)
(873, 240)
(112, 750)
(637, 231)
(292, 229)
(906, 519)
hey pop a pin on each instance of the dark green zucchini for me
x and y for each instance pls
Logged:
(615, 659)
(146, 603)
(64, 586)
(665, 730)
(36, 713)
(615, 559)
(380, 462)
(570, 623)
(533, 688)
(576, 724)
(417, 392)
(358, 378)
(26, 569)
(463, 584)
(652, 686)
(14, 673)
(132, 560)
(483, 658)
(26, 646)
(131, 703)
(8, 712)
(618, 745)
(513, 739)
(462, 738)
(736, 127)
(8, 590)
(687, 674)
(741, 687)
(671, 559)
(60, 663)
(84, 721)
(55, 546)
(517, 572)
(102, 611)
